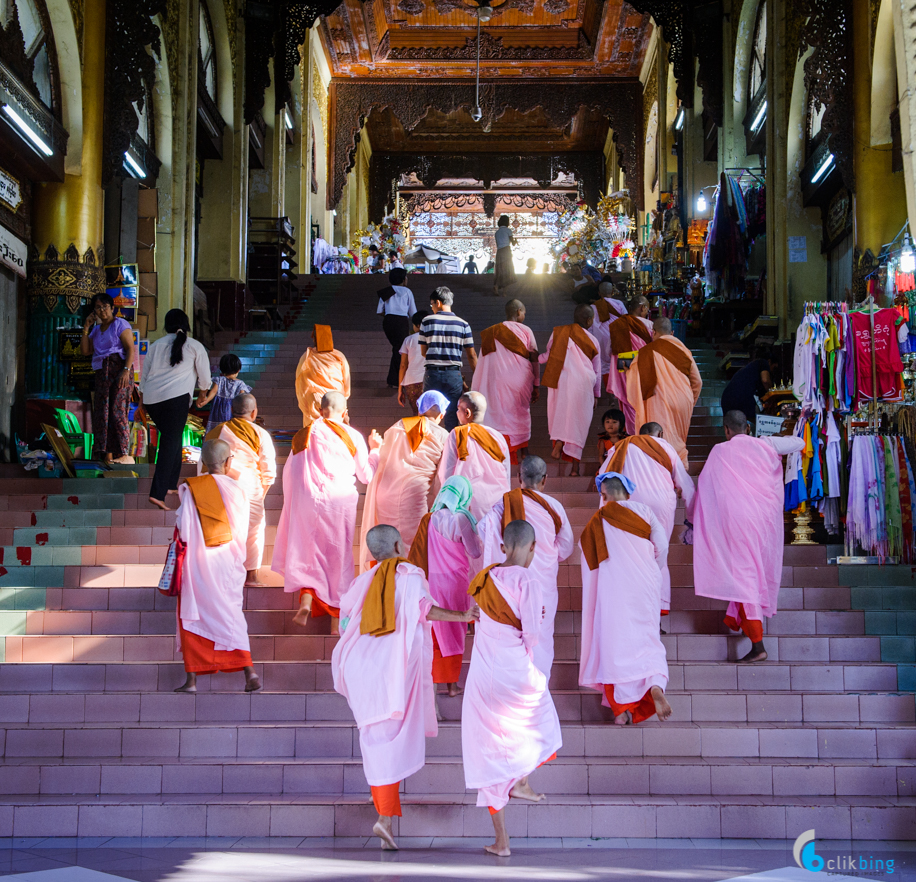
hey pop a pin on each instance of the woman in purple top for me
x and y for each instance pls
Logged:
(111, 345)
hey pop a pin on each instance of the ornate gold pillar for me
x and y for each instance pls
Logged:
(67, 223)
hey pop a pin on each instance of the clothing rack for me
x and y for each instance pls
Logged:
(754, 173)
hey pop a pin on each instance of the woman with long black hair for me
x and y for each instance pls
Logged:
(175, 365)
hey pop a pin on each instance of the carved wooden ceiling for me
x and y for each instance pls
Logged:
(524, 38)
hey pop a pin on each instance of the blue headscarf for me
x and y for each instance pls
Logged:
(606, 476)
(455, 495)
(432, 399)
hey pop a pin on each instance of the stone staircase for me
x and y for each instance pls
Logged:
(95, 743)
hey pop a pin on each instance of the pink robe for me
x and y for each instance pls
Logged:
(617, 381)
(386, 680)
(509, 725)
(620, 641)
(507, 381)
(400, 492)
(737, 516)
(314, 544)
(489, 478)
(571, 405)
(551, 548)
(451, 542)
(672, 404)
(656, 488)
(256, 472)
(213, 579)
(601, 331)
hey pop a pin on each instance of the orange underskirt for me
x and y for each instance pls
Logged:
(446, 668)
(514, 449)
(640, 710)
(200, 657)
(753, 628)
(567, 458)
(319, 607)
(387, 799)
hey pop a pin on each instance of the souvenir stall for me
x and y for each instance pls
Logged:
(389, 240)
(602, 239)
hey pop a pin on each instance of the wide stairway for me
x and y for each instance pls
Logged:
(95, 743)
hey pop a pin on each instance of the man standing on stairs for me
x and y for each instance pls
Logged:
(313, 550)
(738, 530)
(212, 518)
(623, 547)
(443, 338)
(397, 305)
(508, 376)
(381, 666)
(409, 458)
(479, 453)
(628, 334)
(321, 369)
(573, 380)
(664, 384)
(555, 543)
(255, 461)
(659, 476)
(509, 725)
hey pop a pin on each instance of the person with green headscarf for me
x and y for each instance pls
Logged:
(445, 543)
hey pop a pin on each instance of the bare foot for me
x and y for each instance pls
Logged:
(159, 504)
(384, 833)
(454, 689)
(557, 451)
(189, 685)
(755, 655)
(624, 719)
(522, 790)
(302, 617)
(574, 471)
(439, 717)
(124, 460)
(252, 682)
(252, 580)
(335, 626)
(662, 708)
(497, 850)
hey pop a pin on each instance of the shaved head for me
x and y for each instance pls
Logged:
(244, 404)
(653, 429)
(513, 308)
(613, 489)
(607, 289)
(735, 422)
(382, 540)
(637, 305)
(476, 404)
(334, 403)
(584, 315)
(214, 454)
(532, 471)
(518, 534)
(662, 326)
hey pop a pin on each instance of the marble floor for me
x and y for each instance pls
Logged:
(425, 860)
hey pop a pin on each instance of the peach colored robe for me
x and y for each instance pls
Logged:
(401, 491)
(617, 382)
(675, 396)
(656, 488)
(507, 380)
(386, 680)
(314, 544)
(317, 373)
(551, 548)
(489, 478)
(571, 405)
(509, 725)
(620, 601)
(213, 579)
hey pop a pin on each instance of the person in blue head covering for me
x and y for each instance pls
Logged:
(432, 404)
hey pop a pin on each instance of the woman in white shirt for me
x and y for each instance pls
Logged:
(175, 365)
(505, 267)
(397, 305)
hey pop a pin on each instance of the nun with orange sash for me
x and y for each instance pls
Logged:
(313, 550)
(628, 334)
(444, 545)
(381, 666)
(212, 518)
(321, 369)
(622, 656)
(573, 378)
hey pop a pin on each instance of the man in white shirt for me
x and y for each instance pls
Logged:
(413, 366)
(397, 305)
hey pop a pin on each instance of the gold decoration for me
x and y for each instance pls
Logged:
(232, 27)
(649, 97)
(802, 531)
(320, 94)
(76, 10)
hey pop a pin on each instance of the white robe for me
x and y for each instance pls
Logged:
(489, 478)
(386, 680)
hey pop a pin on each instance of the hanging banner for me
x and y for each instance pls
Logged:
(10, 191)
(13, 252)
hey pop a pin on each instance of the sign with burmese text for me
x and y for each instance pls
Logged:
(13, 252)
(10, 190)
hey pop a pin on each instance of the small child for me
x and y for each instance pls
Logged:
(615, 430)
(223, 390)
(413, 365)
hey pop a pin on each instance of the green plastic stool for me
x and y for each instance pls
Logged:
(73, 434)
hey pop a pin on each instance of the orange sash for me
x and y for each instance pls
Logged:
(419, 548)
(489, 337)
(594, 546)
(417, 430)
(214, 519)
(378, 605)
(604, 310)
(621, 330)
(560, 348)
(324, 339)
(481, 436)
(648, 445)
(645, 361)
(514, 508)
(484, 591)
(242, 429)
(303, 437)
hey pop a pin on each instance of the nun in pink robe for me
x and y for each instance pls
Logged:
(509, 725)
(508, 379)
(314, 545)
(657, 487)
(601, 330)
(617, 380)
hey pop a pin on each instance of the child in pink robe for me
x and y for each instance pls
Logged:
(508, 378)
(622, 656)
(628, 334)
(509, 725)
(381, 666)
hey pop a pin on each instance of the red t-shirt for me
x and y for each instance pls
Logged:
(887, 353)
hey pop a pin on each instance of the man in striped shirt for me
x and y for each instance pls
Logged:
(443, 336)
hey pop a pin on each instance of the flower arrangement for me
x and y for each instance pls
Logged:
(388, 237)
(595, 237)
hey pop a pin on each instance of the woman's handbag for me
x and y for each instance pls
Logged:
(170, 580)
